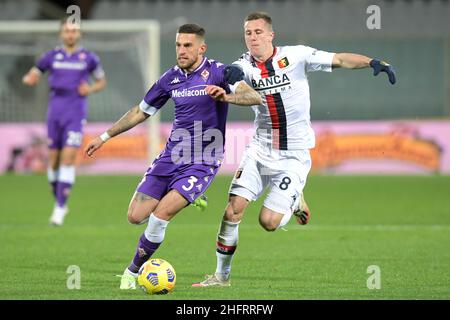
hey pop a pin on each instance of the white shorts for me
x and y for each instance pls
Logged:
(283, 172)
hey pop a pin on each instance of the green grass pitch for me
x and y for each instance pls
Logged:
(401, 224)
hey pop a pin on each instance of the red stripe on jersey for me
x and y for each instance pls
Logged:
(275, 121)
(272, 108)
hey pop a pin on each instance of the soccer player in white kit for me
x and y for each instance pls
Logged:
(278, 157)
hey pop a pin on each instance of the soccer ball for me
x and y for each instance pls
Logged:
(157, 276)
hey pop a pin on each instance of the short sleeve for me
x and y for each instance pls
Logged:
(246, 67)
(220, 76)
(317, 60)
(95, 67)
(45, 61)
(155, 98)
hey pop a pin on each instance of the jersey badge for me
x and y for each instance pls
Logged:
(205, 74)
(283, 63)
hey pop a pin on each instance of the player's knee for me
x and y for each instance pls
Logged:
(268, 226)
(235, 209)
(67, 161)
(268, 223)
(232, 211)
(133, 217)
(68, 156)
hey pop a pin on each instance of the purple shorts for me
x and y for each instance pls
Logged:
(190, 180)
(66, 117)
(65, 132)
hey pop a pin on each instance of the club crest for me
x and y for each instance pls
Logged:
(283, 63)
(205, 74)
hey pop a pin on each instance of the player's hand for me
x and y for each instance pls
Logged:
(30, 79)
(93, 146)
(84, 89)
(233, 74)
(382, 66)
(217, 93)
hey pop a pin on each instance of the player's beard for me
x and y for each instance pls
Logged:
(188, 64)
(71, 44)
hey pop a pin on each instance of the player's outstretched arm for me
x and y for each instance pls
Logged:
(244, 95)
(129, 120)
(350, 61)
(358, 61)
(32, 77)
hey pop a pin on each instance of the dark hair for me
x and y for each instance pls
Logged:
(192, 28)
(259, 15)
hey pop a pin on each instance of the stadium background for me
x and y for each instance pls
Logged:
(414, 36)
(357, 216)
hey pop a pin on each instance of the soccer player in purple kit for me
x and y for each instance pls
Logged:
(69, 67)
(173, 181)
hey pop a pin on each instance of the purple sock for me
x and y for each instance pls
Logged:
(62, 193)
(144, 251)
(54, 188)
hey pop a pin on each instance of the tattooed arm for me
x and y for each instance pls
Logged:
(244, 95)
(129, 120)
(133, 117)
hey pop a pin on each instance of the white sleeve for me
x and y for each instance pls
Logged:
(317, 60)
(234, 86)
(146, 108)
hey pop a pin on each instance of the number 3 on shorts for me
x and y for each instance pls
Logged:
(191, 182)
(285, 183)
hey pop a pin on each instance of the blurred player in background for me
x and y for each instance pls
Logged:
(278, 156)
(69, 67)
(169, 184)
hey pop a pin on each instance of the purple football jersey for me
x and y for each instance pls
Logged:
(198, 131)
(66, 72)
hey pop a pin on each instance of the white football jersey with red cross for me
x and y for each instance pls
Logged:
(283, 120)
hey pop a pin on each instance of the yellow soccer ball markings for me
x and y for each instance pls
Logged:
(157, 276)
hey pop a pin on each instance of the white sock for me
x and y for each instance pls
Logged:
(67, 174)
(156, 229)
(227, 240)
(132, 273)
(52, 175)
(285, 219)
